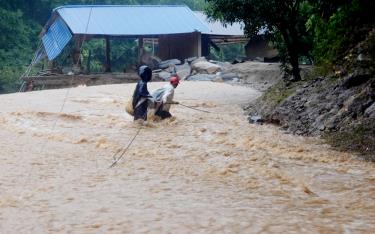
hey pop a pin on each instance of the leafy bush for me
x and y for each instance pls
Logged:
(348, 24)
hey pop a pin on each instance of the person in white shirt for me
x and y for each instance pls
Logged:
(164, 98)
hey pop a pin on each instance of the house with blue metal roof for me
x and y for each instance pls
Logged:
(177, 28)
(176, 32)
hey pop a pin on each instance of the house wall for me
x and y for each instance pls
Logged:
(180, 46)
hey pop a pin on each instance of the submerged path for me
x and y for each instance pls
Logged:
(197, 173)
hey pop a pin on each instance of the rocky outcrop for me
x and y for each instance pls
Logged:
(197, 69)
(325, 105)
(205, 67)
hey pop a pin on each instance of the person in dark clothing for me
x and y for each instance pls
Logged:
(141, 94)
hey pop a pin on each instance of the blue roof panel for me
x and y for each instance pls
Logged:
(56, 38)
(130, 20)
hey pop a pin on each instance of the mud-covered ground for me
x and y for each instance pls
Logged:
(197, 173)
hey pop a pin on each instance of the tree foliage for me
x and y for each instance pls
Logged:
(285, 19)
(337, 26)
(315, 29)
(16, 40)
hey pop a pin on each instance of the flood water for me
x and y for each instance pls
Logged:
(196, 173)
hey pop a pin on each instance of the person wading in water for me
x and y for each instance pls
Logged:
(141, 94)
(164, 98)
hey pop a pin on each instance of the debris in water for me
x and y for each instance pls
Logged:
(255, 119)
(82, 140)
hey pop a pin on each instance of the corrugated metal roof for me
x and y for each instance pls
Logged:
(56, 38)
(130, 20)
(217, 27)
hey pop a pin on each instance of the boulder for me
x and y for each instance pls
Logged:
(224, 65)
(150, 60)
(195, 60)
(227, 76)
(356, 78)
(67, 70)
(370, 111)
(183, 71)
(364, 57)
(218, 79)
(164, 75)
(191, 59)
(205, 67)
(167, 63)
(255, 119)
(202, 77)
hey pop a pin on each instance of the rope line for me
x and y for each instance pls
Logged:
(71, 82)
(36, 58)
(209, 112)
(193, 108)
(116, 160)
(124, 150)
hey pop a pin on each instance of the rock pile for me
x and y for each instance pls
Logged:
(326, 105)
(197, 69)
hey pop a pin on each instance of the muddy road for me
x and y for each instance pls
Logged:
(197, 173)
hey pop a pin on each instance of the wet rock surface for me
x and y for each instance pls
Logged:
(322, 105)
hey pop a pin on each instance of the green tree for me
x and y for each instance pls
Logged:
(285, 18)
(16, 40)
(338, 26)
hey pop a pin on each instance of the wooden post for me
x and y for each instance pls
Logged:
(140, 50)
(107, 55)
(77, 50)
(76, 54)
(198, 43)
(205, 45)
(88, 71)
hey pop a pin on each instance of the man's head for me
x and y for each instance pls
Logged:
(145, 73)
(174, 81)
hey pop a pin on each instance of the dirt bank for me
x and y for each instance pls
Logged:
(208, 173)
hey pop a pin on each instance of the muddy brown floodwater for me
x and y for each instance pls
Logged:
(197, 173)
